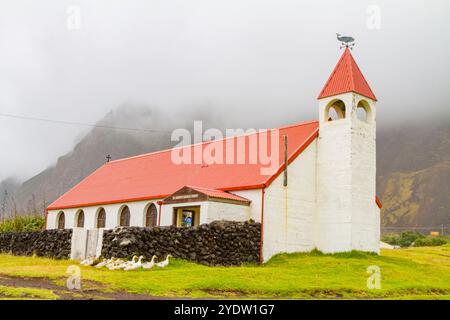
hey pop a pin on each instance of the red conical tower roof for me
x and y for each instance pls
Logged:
(346, 77)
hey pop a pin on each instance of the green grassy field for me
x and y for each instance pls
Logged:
(422, 273)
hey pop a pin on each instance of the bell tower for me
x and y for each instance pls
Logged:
(348, 217)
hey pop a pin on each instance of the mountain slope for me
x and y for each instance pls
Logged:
(414, 174)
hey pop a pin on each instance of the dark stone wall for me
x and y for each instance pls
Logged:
(217, 243)
(46, 243)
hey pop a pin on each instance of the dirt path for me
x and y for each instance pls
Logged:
(63, 293)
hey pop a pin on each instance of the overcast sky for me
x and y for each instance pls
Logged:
(243, 58)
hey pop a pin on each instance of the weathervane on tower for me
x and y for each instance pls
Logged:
(346, 41)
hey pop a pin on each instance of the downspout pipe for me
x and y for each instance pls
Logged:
(261, 242)
(160, 203)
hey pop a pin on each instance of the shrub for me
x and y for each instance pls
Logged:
(430, 241)
(23, 223)
(392, 239)
(405, 239)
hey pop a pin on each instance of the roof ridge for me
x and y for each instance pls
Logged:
(207, 142)
(197, 187)
(304, 123)
(294, 155)
(349, 64)
(363, 78)
(218, 191)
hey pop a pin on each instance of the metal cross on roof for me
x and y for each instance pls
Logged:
(108, 158)
(346, 41)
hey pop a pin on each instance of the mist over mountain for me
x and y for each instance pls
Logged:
(10, 184)
(140, 130)
(413, 160)
(7, 189)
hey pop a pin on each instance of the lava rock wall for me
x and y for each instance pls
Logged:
(217, 243)
(46, 243)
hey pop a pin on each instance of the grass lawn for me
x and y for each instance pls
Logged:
(416, 273)
(26, 293)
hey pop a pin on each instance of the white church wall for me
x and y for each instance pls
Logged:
(112, 214)
(347, 216)
(209, 211)
(137, 215)
(51, 219)
(255, 196)
(138, 210)
(69, 218)
(212, 210)
(227, 211)
(334, 187)
(90, 217)
(365, 212)
(289, 212)
(167, 211)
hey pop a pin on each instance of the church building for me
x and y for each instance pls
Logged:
(321, 194)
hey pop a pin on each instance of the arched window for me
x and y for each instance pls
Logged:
(364, 112)
(124, 220)
(80, 219)
(332, 114)
(101, 218)
(335, 110)
(61, 221)
(151, 216)
(361, 114)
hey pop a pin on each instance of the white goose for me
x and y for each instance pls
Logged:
(103, 263)
(112, 263)
(130, 263)
(164, 263)
(117, 264)
(149, 265)
(134, 265)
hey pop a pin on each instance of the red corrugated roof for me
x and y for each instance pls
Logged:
(214, 193)
(154, 175)
(347, 77)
